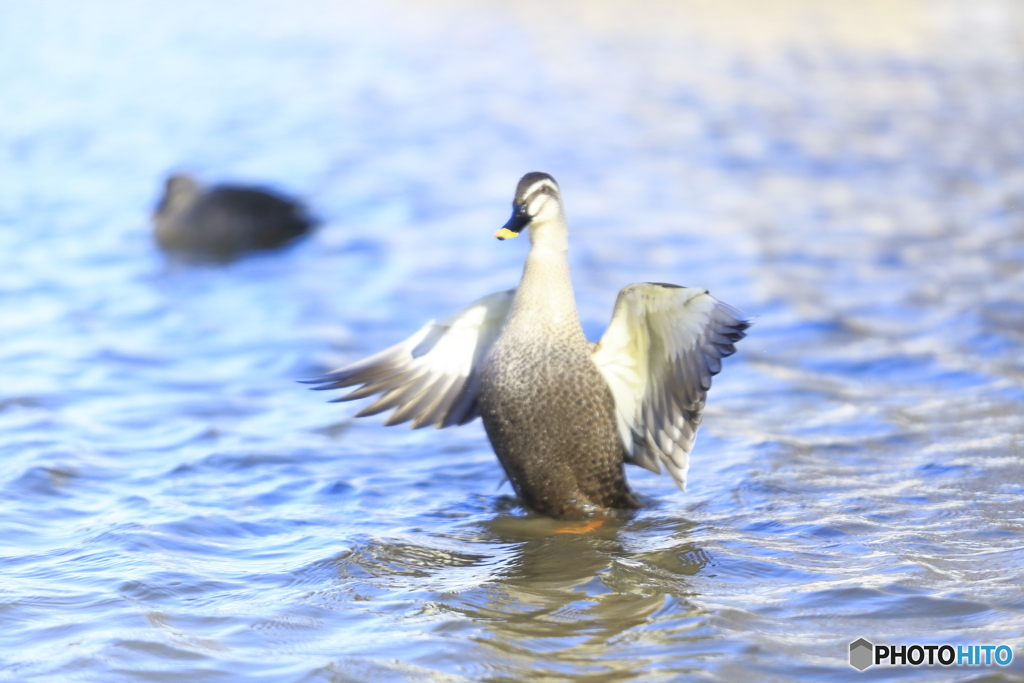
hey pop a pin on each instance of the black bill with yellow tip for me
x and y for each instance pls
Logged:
(520, 219)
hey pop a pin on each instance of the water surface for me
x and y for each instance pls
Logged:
(175, 507)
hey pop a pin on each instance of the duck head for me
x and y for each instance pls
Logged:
(181, 191)
(537, 203)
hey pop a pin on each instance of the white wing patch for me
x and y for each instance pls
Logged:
(658, 355)
(433, 376)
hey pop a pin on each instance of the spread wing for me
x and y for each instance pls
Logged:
(658, 355)
(432, 377)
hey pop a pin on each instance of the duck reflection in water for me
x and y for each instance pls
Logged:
(529, 589)
(562, 414)
(225, 221)
(564, 586)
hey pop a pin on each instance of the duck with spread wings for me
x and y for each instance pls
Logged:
(563, 415)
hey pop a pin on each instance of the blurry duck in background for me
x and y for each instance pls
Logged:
(562, 414)
(224, 222)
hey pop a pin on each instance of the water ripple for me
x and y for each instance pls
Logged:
(174, 506)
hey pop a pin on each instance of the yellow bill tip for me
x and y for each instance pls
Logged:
(505, 234)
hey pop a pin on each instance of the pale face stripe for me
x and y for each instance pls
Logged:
(538, 194)
(543, 185)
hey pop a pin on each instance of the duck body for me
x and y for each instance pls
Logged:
(550, 417)
(563, 415)
(225, 221)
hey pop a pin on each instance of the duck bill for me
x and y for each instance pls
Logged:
(520, 219)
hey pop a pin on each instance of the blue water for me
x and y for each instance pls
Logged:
(175, 507)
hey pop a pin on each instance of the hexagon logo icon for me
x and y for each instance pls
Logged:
(861, 654)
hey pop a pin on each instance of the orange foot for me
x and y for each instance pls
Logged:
(580, 528)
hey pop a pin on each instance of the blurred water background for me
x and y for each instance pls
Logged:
(175, 507)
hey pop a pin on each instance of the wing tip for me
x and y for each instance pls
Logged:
(322, 381)
(406, 379)
(325, 384)
(735, 324)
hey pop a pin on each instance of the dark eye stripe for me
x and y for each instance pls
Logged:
(543, 189)
(533, 182)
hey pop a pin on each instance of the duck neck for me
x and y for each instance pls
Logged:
(545, 299)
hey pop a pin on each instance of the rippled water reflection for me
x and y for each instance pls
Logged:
(175, 507)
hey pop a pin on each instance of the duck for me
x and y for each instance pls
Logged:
(563, 415)
(225, 221)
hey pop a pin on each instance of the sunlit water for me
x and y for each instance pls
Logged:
(176, 508)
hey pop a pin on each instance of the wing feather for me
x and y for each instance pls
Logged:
(433, 376)
(658, 355)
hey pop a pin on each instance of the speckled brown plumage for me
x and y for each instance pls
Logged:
(551, 421)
